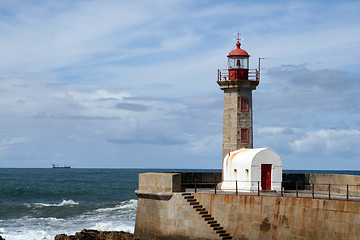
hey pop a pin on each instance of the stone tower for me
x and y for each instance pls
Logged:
(237, 82)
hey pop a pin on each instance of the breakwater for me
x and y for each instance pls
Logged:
(164, 212)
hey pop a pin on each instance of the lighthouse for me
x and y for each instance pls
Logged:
(243, 167)
(237, 82)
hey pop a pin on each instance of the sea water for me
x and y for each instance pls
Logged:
(41, 203)
(38, 204)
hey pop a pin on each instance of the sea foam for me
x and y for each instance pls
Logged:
(69, 202)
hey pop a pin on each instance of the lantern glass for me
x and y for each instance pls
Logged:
(238, 62)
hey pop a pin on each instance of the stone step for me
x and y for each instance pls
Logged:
(207, 217)
(224, 235)
(214, 225)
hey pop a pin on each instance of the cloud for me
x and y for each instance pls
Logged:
(275, 130)
(302, 77)
(132, 107)
(312, 149)
(6, 144)
(79, 76)
(145, 138)
(44, 115)
(206, 144)
(298, 97)
(328, 142)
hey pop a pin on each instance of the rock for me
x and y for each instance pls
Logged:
(88, 234)
(1, 238)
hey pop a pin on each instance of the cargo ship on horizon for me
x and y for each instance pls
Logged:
(57, 166)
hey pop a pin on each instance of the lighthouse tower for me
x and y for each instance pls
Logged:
(237, 82)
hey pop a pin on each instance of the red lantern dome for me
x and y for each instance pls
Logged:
(238, 52)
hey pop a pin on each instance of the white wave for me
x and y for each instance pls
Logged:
(63, 203)
(126, 205)
(36, 228)
(28, 235)
(111, 226)
(121, 217)
(68, 202)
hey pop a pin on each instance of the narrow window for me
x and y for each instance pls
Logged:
(244, 104)
(244, 135)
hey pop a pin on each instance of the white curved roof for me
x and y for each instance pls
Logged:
(252, 157)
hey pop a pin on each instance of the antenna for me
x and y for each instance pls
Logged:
(260, 58)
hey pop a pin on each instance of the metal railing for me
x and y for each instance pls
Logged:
(223, 75)
(348, 192)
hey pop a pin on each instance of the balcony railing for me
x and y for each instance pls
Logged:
(223, 75)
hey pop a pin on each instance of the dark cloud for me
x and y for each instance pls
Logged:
(302, 97)
(134, 107)
(301, 76)
(43, 115)
(108, 99)
(145, 138)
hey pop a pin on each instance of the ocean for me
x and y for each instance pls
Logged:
(41, 203)
(37, 204)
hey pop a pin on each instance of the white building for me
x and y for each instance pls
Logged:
(249, 169)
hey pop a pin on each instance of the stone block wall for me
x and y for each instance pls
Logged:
(235, 119)
(173, 219)
(163, 213)
(160, 182)
(338, 182)
(265, 217)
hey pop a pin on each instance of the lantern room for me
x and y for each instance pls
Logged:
(238, 63)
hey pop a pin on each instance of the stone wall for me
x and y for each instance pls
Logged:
(169, 219)
(160, 182)
(163, 213)
(265, 217)
(158, 185)
(338, 182)
(235, 119)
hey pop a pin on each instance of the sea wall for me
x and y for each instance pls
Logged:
(266, 217)
(243, 217)
(164, 214)
(338, 182)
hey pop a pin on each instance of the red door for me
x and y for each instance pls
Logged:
(266, 176)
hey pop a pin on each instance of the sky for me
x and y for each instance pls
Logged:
(132, 84)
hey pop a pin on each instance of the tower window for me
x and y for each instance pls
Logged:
(244, 135)
(244, 104)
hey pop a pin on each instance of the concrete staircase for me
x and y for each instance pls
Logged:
(206, 216)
